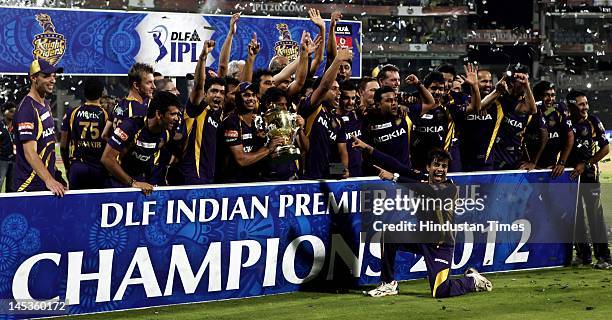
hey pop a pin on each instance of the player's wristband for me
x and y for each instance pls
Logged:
(132, 182)
(561, 162)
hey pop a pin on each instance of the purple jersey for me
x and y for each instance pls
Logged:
(84, 125)
(238, 132)
(478, 136)
(508, 149)
(33, 122)
(324, 132)
(435, 129)
(197, 164)
(392, 135)
(352, 127)
(558, 125)
(139, 146)
(588, 134)
(129, 108)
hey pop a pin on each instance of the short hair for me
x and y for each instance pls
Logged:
(257, 77)
(234, 66)
(380, 91)
(230, 81)
(215, 80)
(272, 95)
(347, 86)
(364, 82)
(157, 74)
(382, 74)
(434, 76)
(136, 71)
(162, 101)
(275, 65)
(540, 87)
(93, 89)
(161, 84)
(438, 154)
(8, 105)
(573, 95)
(447, 68)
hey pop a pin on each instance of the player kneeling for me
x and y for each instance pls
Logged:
(436, 248)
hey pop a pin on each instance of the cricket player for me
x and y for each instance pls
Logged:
(438, 249)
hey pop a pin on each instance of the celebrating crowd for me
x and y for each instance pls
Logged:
(216, 133)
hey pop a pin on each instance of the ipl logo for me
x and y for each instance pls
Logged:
(49, 45)
(160, 34)
(285, 46)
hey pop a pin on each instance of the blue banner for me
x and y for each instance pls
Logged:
(108, 42)
(105, 250)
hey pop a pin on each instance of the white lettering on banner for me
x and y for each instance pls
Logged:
(22, 274)
(213, 263)
(180, 262)
(318, 249)
(244, 208)
(75, 276)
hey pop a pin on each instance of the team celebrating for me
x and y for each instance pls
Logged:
(448, 121)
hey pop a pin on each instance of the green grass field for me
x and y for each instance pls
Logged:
(563, 293)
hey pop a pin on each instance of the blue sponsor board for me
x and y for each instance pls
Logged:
(117, 249)
(109, 42)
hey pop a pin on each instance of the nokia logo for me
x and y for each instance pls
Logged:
(514, 123)
(213, 122)
(140, 157)
(356, 133)
(390, 136)
(431, 129)
(478, 117)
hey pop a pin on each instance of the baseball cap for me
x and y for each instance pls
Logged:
(244, 86)
(40, 65)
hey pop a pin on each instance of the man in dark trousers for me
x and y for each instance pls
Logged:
(588, 132)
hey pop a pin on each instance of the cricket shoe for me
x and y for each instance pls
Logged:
(481, 283)
(601, 264)
(385, 289)
(577, 262)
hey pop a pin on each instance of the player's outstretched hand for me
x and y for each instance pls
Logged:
(557, 170)
(384, 174)
(411, 80)
(208, 47)
(56, 187)
(344, 54)
(527, 166)
(233, 23)
(146, 188)
(578, 170)
(254, 46)
(360, 145)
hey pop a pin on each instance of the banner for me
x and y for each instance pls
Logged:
(104, 250)
(88, 42)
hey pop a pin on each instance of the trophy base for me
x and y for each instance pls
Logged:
(285, 154)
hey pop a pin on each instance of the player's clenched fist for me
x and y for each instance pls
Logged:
(208, 47)
(344, 55)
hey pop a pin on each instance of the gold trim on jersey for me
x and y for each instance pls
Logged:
(440, 278)
(310, 120)
(500, 117)
(30, 178)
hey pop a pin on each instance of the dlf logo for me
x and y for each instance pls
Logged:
(183, 45)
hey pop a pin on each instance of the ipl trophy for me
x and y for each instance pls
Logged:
(282, 123)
